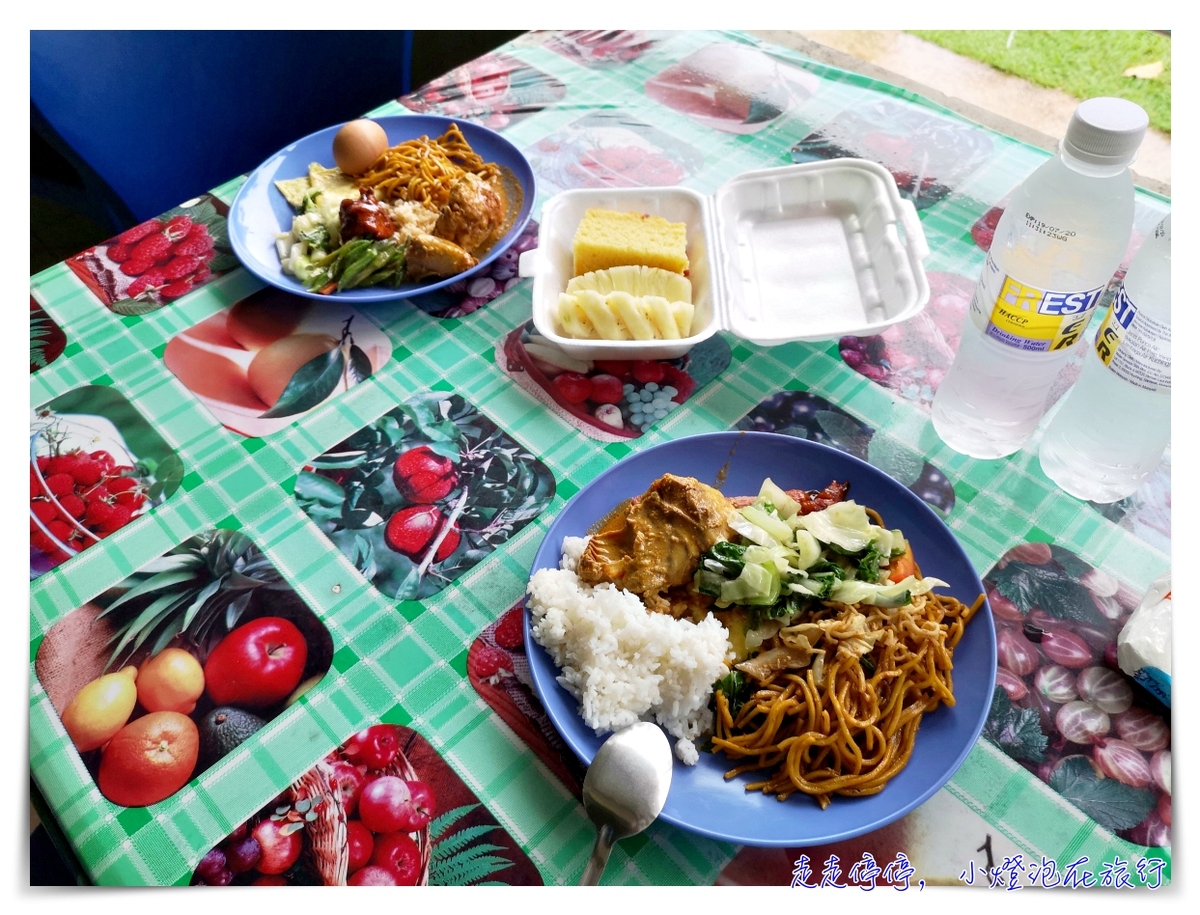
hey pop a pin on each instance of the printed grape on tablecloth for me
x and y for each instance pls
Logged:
(287, 542)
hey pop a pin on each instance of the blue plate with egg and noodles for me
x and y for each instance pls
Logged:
(700, 799)
(259, 212)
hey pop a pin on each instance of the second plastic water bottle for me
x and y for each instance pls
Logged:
(1058, 243)
(1111, 431)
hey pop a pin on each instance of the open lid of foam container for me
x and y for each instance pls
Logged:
(801, 252)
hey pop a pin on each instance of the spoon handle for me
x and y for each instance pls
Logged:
(600, 852)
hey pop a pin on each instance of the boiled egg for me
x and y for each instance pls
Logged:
(357, 145)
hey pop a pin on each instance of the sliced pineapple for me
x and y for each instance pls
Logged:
(637, 280)
(586, 314)
(633, 302)
(602, 315)
(629, 312)
(662, 316)
(573, 319)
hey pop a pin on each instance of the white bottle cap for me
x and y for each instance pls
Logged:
(1106, 131)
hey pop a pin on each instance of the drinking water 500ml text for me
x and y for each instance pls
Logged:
(1111, 431)
(1055, 248)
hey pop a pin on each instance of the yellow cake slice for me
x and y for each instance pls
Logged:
(606, 238)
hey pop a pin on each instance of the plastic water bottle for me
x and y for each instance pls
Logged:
(1057, 245)
(1111, 431)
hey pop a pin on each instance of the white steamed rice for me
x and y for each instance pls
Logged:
(622, 662)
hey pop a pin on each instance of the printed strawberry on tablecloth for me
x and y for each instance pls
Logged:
(159, 260)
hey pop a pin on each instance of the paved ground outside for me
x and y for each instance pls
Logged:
(1006, 103)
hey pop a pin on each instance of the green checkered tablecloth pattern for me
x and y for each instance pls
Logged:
(406, 662)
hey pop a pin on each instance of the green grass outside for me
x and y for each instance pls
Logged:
(1084, 64)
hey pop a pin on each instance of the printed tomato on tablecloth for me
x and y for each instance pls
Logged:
(808, 416)
(732, 87)
(927, 154)
(423, 494)
(46, 338)
(1063, 708)
(160, 260)
(499, 670)
(95, 465)
(610, 399)
(273, 356)
(383, 809)
(495, 90)
(611, 149)
(465, 296)
(162, 675)
(601, 49)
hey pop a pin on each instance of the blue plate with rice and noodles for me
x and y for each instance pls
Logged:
(700, 799)
(259, 211)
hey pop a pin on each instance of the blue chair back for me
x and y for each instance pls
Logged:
(161, 117)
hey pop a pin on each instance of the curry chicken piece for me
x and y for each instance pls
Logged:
(655, 541)
(428, 256)
(365, 217)
(472, 215)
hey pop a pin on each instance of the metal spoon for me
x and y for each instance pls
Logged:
(625, 789)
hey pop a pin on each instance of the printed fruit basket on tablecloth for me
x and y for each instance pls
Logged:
(380, 810)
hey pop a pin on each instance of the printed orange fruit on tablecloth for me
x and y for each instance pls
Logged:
(149, 759)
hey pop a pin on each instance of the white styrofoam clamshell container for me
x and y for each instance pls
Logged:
(801, 252)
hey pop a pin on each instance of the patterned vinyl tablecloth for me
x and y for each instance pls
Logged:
(223, 518)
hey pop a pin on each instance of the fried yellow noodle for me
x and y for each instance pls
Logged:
(424, 170)
(844, 725)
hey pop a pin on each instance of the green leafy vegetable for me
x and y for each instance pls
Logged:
(868, 565)
(736, 689)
